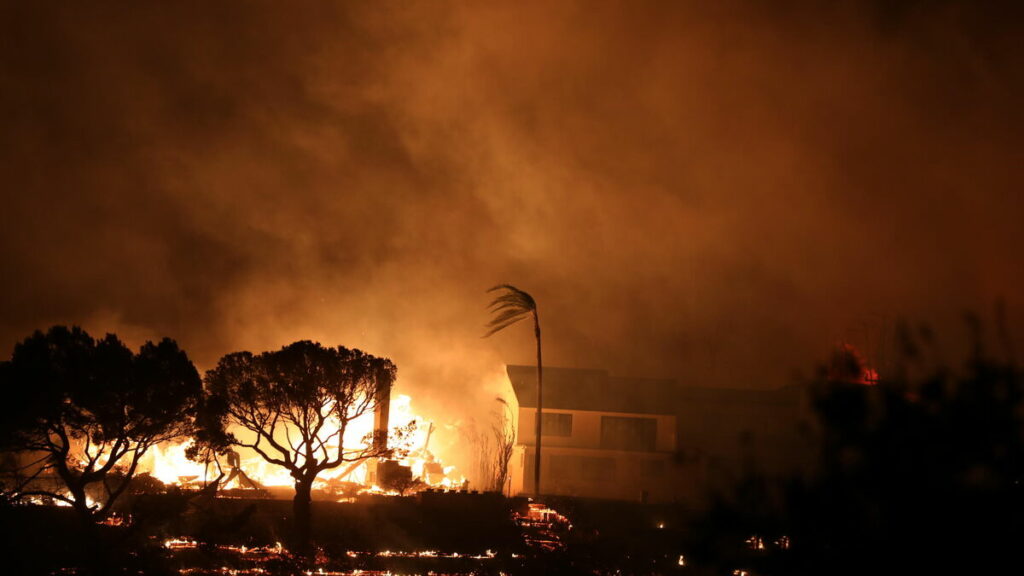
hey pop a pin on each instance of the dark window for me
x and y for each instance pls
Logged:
(622, 433)
(556, 424)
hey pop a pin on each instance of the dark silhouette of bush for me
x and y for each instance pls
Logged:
(921, 472)
(80, 413)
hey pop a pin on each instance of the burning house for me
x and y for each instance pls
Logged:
(602, 437)
(650, 439)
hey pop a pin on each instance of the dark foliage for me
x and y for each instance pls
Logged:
(916, 474)
(297, 403)
(80, 413)
(51, 540)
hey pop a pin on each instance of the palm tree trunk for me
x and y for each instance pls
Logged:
(540, 388)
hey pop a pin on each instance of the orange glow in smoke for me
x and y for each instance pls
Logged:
(169, 464)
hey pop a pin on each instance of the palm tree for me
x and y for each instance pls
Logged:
(509, 307)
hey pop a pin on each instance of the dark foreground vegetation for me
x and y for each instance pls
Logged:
(169, 532)
(918, 472)
(82, 412)
(443, 533)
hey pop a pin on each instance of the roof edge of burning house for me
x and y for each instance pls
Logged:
(592, 390)
(595, 390)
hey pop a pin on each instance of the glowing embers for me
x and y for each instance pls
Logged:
(45, 501)
(116, 519)
(540, 513)
(180, 543)
(759, 544)
(230, 559)
(276, 559)
(253, 552)
(543, 527)
(487, 555)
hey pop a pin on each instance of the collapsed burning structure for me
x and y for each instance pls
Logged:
(413, 465)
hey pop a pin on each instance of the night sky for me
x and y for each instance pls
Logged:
(716, 192)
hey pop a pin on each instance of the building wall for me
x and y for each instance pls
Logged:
(578, 465)
(708, 437)
(639, 476)
(586, 429)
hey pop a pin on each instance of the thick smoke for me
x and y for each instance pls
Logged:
(716, 193)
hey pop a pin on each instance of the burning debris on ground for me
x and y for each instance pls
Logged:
(543, 527)
(338, 559)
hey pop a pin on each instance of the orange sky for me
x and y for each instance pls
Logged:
(716, 194)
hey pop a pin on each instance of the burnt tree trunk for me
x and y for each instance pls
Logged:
(97, 560)
(76, 488)
(81, 504)
(302, 515)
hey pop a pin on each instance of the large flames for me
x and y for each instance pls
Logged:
(168, 463)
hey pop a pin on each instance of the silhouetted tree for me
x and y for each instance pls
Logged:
(484, 451)
(493, 446)
(211, 442)
(297, 403)
(509, 307)
(504, 431)
(81, 413)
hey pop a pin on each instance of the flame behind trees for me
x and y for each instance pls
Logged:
(294, 406)
(80, 413)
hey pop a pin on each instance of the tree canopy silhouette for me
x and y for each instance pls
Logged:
(81, 413)
(295, 405)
